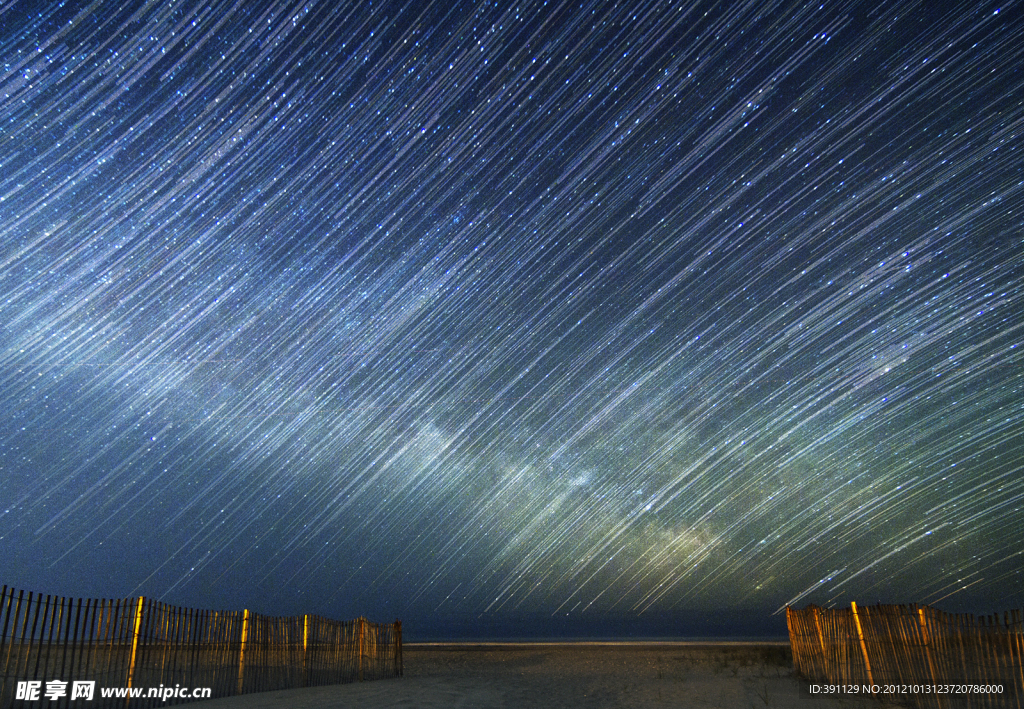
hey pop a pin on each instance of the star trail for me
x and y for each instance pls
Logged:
(471, 312)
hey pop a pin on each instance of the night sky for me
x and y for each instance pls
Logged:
(514, 319)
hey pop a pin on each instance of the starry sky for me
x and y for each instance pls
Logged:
(509, 319)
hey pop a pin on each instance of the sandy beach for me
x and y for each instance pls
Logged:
(600, 676)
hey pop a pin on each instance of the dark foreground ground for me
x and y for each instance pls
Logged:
(597, 676)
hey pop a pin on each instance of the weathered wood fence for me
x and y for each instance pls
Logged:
(915, 655)
(141, 643)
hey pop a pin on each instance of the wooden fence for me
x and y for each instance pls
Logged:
(139, 643)
(915, 655)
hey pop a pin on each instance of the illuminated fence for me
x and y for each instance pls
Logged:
(141, 643)
(916, 655)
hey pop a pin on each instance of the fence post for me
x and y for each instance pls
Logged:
(362, 634)
(398, 648)
(135, 639)
(860, 637)
(825, 659)
(793, 642)
(305, 650)
(928, 654)
(241, 654)
(1015, 634)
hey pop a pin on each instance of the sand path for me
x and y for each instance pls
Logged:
(597, 677)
